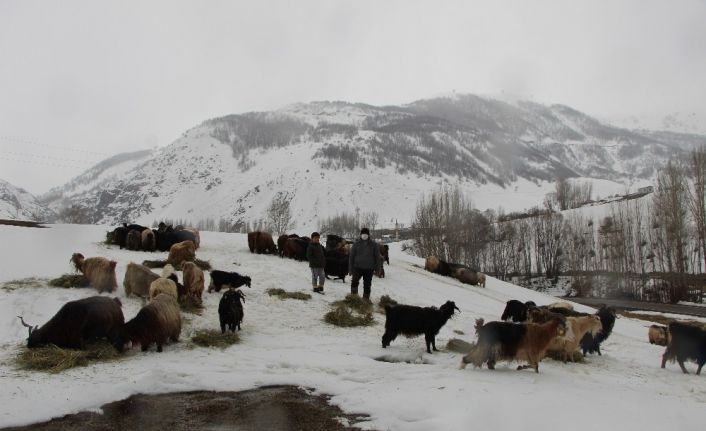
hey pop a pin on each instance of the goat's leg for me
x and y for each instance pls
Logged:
(428, 341)
(701, 364)
(491, 364)
(598, 349)
(665, 357)
(223, 328)
(681, 364)
(433, 343)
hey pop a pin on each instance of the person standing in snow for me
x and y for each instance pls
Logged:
(364, 259)
(317, 262)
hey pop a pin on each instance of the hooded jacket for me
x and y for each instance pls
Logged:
(365, 254)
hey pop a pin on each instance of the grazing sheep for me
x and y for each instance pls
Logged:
(182, 251)
(687, 343)
(658, 335)
(411, 321)
(590, 343)
(99, 271)
(149, 243)
(193, 280)
(138, 279)
(163, 286)
(133, 240)
(230, 309)
(576, 328)
(513, 342)
(157, 322)
(77, 322)
(219, 279)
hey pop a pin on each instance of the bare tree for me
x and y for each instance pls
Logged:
(697, 199)
(279, 214)
(369, 220)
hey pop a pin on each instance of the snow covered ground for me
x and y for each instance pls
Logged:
(286, 342)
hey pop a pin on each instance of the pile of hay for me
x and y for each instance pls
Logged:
(575, 356)
(70, 280)
(342, 316)
(283, 294)
(214, 338)
(385, 300)
(459, 346)
(203, 264)
(355, 302)
(188, 304)
(25, 282)
(54, 359)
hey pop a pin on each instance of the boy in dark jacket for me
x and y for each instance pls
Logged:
(317, 262)
(364, 259)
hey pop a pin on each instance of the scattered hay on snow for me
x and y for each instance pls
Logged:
(355, 302)
(214, 338)
(70, 280)
(574, 356)
(459, 346)
(342, 316)
(54, 359)
(187, 304)
(283, 294)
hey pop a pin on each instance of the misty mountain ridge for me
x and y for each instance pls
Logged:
(333, 157)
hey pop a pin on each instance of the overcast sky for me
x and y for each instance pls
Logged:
(80, 81)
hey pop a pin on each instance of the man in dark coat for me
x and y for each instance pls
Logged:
(364, 259)
(317, 261)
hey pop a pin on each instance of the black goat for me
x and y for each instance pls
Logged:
(336, 265)
(687, 343)
(517, 310)
(229, 279)
(230, 309)
(410, 321)
(592, 344)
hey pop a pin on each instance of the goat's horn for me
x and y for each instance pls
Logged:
(459, 310)
(26, 325)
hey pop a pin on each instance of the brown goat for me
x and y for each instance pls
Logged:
(99, 271)
(431, 264)
(157, 322)
(193, 280)
(658, 335)
(576, 328)
(513, 342)
(138, 279)
(182, 251)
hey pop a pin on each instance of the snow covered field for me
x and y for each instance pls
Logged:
(286, 342)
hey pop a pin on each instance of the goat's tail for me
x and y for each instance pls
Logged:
(479, 324)
(477, 355)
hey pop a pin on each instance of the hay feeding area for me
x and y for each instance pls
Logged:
(69, 280)
(356, 303)
(54, 359)
(188, 304)
(24, 283)
(459, 346)
(214, 338)
(283, 294)
(345, 317)
(203, 264)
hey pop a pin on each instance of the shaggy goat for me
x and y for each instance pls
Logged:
(133, 240)
(138, 279)
(163, 286)
(77, 322)
(411, 321)
(658, 335)
(156, 322)
(182, 251)
(590, 343)
(576, 328)
(193, 280)
(512, 342)
(99, 271)
(219, 279)
(149, 243)
(564, 305)
(230, 309)
(687, 343)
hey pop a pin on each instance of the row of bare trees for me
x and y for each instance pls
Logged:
(647, 244)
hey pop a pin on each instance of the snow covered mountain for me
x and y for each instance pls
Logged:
(19, 204)
(333, 157)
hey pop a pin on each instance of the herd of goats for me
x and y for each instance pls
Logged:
(526, 333)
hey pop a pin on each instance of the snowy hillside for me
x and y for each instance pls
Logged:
(109, 169)
(18, 204)
(286, 342)
(332, 157)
